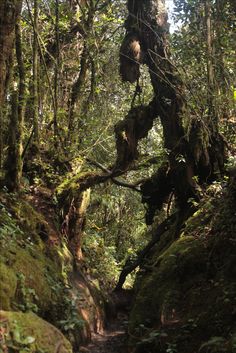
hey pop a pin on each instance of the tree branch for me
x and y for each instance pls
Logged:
(130, 266)
(115, 180)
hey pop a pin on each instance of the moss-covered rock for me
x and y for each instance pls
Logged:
(39, 274)
(186, 294)
(28, 272)
(28, 332)
(172, 273)
(34, 275)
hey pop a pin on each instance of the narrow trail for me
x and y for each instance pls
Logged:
(112, 340)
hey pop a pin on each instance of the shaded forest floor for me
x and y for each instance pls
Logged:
(113, 339)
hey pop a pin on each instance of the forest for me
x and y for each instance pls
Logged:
(117, 176)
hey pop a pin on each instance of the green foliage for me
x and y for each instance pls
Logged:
(26, 296)
(100, 261)
(9, 228)
(114, 232)
(15, 341)
(71, 322)
(189, 47)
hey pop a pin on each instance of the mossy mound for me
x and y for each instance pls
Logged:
(186, 297)
(26, 332)
(23, 257)
(27, 273)
(172, 273)
(31, 266)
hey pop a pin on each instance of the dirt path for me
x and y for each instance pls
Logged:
(111, 341)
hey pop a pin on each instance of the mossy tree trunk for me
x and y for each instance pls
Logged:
(77, 91)
(73, 199)
(35, 76)
(146, 42)
(9, 11)
(14, 161)
(56, 73)
(12, 176)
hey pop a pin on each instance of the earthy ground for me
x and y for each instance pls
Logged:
(111, 341)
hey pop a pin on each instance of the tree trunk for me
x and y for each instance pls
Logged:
(9, 11)
(146, 42)
(11, 176)
(14, 159)
(77, 92)
(75, 100)
(21, 107)
(210, 66)
(56, 72)
(35, 77)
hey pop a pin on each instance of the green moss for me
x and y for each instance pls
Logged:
(33, 276)
(172, 273)
(8, 284)
(30, 221)
(34, 270)
(71, 184)
(29, 327)
(188, 290)
(40, 273)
